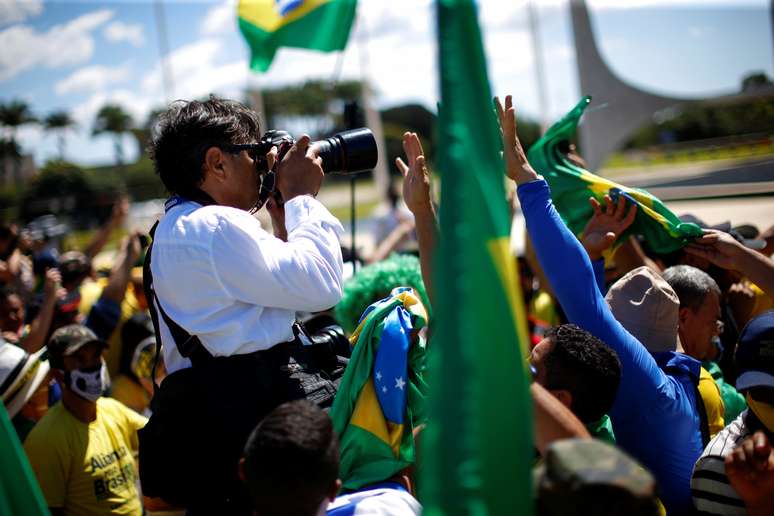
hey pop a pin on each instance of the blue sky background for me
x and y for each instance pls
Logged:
(77, 56)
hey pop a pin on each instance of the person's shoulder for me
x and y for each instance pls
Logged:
(384, 501)
(727, 439)
(51, 430)
(113, 408)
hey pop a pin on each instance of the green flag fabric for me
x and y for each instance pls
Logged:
(571, 187)
(19, 490)
(314, 24)
(381, 398)
(477, 450)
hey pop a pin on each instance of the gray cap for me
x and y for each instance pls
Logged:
(645, 304)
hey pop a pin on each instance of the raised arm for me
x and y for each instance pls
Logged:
(569, 270)
(724, 251)
(417, 195)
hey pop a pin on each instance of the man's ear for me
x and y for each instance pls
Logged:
(683, 314)
(57, 374)
(242, 475)
(564, 396)
(334, 490)
(214, 164)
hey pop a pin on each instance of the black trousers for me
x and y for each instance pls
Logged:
(202, 416)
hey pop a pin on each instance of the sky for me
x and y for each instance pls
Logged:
(79, 55)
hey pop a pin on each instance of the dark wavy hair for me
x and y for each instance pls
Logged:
(583, 365)
(183, 133)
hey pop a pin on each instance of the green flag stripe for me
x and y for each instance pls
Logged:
(325, 28)
(477, 451)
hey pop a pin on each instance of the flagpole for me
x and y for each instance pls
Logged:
(540, 77)
(163, 42)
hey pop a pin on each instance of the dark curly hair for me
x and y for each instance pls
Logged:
(583, 365)
(184, 132)
(291, 460)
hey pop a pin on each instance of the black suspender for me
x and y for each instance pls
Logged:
(189, 346)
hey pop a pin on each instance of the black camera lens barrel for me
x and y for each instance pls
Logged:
(348, 152)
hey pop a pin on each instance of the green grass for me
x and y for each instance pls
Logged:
(362, 210)
(623, 159)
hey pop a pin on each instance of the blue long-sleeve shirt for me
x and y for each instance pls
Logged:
(654, 414)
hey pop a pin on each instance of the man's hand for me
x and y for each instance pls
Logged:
(605, 226)
(52, 285)
(516, 165)
(300, 171)
(750, 469)
(416, 176)
(717, 247)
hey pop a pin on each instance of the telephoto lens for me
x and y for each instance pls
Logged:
(348, 152)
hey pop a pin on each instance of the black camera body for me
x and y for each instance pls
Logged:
(347, 152)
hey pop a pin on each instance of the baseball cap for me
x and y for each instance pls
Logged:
(588, 476)
(755, 353)
(68, 339)
(20, 375)
(645, 304)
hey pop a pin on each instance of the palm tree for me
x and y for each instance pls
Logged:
(13, 115)
(59, 122)
(112, 118)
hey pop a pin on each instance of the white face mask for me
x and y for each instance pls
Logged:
(89, 383)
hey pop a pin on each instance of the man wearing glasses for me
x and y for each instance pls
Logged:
(225, 294)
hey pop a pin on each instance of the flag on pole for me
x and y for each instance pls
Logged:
(477, 451)
(381, 397)
(571, 187)
(315, 24)
(19, 489)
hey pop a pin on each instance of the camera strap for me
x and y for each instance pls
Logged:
(189, 346)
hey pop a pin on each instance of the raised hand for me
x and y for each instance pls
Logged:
(605, 226)
(516, 165)
(717, 247)
(416, 176)
(300, 171)
(750, 470)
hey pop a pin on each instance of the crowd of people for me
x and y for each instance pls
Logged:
(220, 370)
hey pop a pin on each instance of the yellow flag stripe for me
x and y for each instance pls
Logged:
(264, 15)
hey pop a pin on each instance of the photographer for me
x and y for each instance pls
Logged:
(224, 293)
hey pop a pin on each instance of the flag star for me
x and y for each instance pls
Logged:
(399, 383)
(384, 389)
(378, 376)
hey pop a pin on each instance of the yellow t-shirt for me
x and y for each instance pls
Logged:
(130, 393)
(90, 293)
(713, 402)
(87, 469)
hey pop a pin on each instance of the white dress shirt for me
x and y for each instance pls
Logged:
(223, 278)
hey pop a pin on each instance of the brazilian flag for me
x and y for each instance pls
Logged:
(381, 398)
(477, 451)
(315, 24)
(571, 187)
(19, 489)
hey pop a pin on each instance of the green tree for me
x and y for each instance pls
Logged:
(14, 115)
(58, 123)
(112, 119)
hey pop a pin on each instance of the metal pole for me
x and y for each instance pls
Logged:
(352, 216)
(540, 77)
(163, 42)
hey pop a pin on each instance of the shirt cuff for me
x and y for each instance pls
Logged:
(305, 208)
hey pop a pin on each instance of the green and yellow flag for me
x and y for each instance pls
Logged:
(19, 489)
(315, 24)
(477, 451)
(571, 187)
(381, 398)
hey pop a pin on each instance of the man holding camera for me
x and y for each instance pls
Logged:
(224, 294)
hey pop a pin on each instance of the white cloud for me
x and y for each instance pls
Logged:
(129, 32)
(15, 11)
(70, 43)
(92, 78)
(220, 18)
